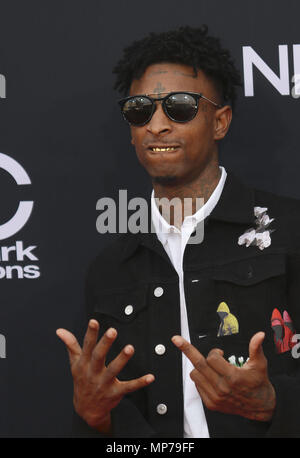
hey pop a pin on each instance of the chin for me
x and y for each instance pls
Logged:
(165, 180)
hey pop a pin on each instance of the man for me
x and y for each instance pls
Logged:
(175, 316)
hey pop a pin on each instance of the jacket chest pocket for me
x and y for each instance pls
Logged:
(247, 291)
(122, 306)
(124, 310)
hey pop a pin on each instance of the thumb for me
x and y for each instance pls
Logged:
(256, 353)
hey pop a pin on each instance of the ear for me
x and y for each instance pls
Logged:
(222, 121)
(132, 141)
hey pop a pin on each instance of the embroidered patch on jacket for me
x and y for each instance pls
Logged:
(239, 362)
(261, 234)
(229, 324)
(283, 331)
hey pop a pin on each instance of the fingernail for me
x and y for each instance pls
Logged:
(93, 324)
(128, 350)
(177, 340)
(111, 333)
(150, 378)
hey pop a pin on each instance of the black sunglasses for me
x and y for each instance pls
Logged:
(178, 106)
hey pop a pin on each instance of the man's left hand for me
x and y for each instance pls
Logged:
(245, 391)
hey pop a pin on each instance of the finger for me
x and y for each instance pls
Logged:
(137, 384)
(214, 367)
(215, 398)
(117, 364)
(90, 339)
(204, 387)
(256, 353)
(217, 374)
(100, 351)
(196, 358)
(216, 361)
(70, 341)
(206, 399)
(219, 351)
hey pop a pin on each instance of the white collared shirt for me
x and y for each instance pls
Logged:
(174, 242)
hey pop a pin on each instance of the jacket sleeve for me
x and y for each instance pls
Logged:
(285, 421)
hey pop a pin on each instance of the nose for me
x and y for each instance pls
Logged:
(159, 123)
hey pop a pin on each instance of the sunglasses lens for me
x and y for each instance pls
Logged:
(181, 107)
(137, 110)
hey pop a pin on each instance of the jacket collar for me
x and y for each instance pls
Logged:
(236, 205)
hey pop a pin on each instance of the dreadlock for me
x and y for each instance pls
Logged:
(187, 46)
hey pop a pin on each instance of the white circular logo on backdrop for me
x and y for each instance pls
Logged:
(24, 210)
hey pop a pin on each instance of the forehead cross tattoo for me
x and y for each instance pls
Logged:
(159, 89)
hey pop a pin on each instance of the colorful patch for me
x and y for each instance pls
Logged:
(283, 331)
(229, 324)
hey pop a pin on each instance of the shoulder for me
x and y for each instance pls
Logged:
(286, 209)
(111, 259)
(286, 213)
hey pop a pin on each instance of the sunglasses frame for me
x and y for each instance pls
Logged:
(153, 101)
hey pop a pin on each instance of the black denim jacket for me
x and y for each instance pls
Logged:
(252, 282)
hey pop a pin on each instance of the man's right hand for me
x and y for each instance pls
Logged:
(97, 389)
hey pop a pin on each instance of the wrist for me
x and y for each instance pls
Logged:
(105, 426)
(102, 424)
(269, 405)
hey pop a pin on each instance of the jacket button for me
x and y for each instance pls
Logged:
(161, 409)
(158, 292)
(160, 349)
(128, 310)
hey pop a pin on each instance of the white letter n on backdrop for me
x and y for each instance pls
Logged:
(2, 87)
(281, 83)
(296, 78)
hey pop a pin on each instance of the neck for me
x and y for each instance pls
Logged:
(186, 198)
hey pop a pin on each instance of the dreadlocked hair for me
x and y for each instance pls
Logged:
(187, 46)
